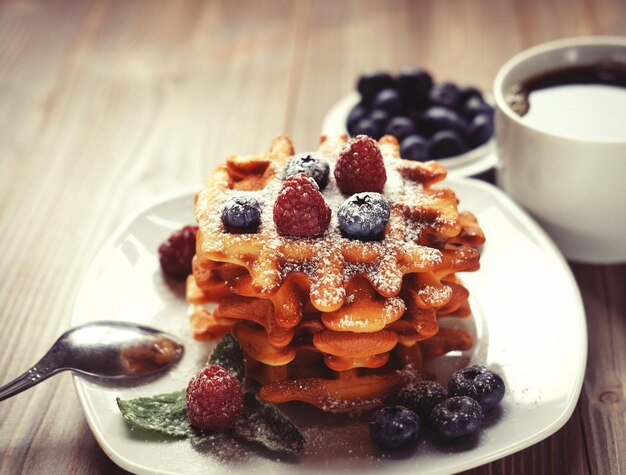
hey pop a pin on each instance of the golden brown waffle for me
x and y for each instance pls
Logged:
(334, 321)
(417, 212)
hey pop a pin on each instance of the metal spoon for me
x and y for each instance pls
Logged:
(105, 349)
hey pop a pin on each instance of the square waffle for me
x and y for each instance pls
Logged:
(334, 321)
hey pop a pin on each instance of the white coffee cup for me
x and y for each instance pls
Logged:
(575, 188)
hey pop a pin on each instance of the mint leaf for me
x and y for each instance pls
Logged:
(261, 423)
(164, 413)
(264, 424)
(228, 355)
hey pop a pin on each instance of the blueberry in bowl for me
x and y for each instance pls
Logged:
(366, 126)
(415, 147)
(445, 94)
(414, 86)
(357, 113)
(380, 117)
(446, 143)
(370, 84)
(437, 118)
(400, 126)
(480, 129)
(389, 100)
(474, 106)
(412, 103)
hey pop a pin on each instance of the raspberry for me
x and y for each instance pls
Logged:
(214, 399)
(360, 167)
(176, 253)
(300, 209)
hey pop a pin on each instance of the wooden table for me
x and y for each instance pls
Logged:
(105, 105)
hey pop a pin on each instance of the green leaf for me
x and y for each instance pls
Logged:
(261, 423)
(228, 355)
(164, 413)
(264, 424)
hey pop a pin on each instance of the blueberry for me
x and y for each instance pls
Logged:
(366, 126)
(438, 118)
(394, 426)
(414, 147)
(389, 100)
(400, 126)
(380, 117)
(372, 83)
(455, 418)
(241, 213)
(479, 383)
(480, 129)
(469, 91)
(445, 94)
(414, 113)
(357, 113)
(446, 143)
(313, 164)
(474, 106)
(364, 215)
(421, 397)
(414, 86)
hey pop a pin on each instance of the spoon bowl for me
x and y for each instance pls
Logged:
(107, 350)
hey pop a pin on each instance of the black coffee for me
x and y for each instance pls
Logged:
(585, 102)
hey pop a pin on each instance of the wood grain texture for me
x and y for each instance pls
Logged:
(105, 105)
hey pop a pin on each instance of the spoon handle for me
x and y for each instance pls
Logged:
(45, 368)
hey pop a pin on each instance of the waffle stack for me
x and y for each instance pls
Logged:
(336, 322)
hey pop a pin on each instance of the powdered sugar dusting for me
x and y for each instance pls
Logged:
(349, 323)
(327, 260)
(393, 307)
(435, 296)
(331, 404)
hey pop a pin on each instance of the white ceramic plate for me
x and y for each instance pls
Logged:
(528, 320)
(468, 164)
